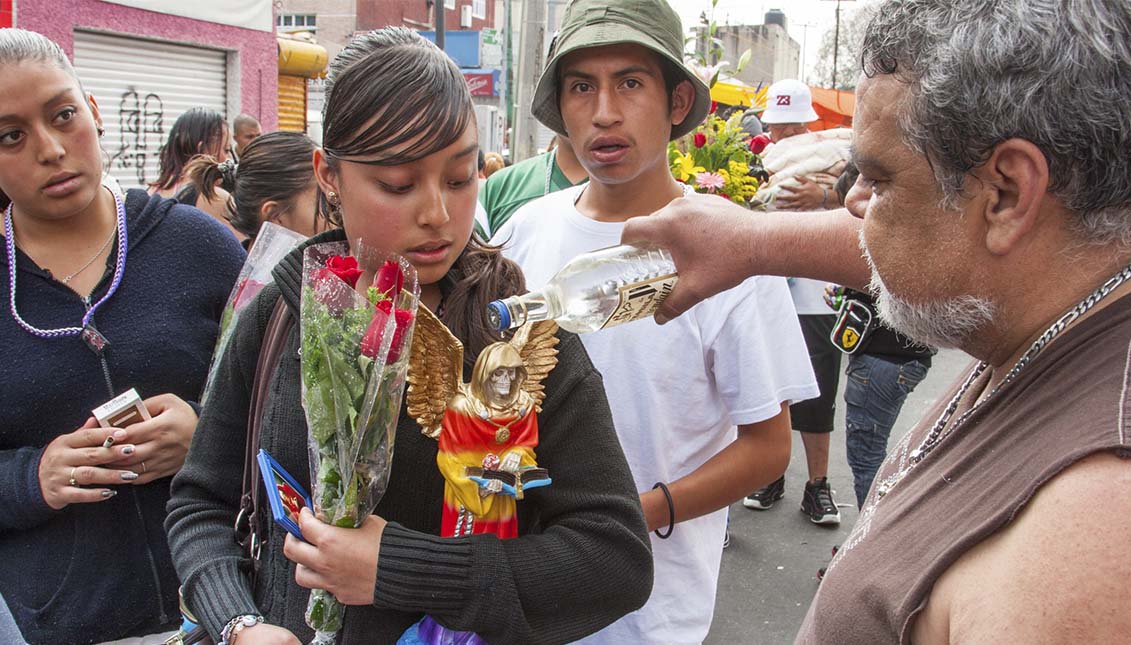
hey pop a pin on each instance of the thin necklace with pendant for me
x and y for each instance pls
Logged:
(67, 279)
(941, 431)
(89, 335)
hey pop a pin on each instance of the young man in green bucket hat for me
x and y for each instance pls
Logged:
(700, 405)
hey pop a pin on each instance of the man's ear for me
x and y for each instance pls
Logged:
(1015, 183)
(327, 177)
(683, 98)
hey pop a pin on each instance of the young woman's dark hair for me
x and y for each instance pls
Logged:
(426, 115)
(198, 131)
(274, 167)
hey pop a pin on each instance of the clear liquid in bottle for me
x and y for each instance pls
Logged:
(594, 291)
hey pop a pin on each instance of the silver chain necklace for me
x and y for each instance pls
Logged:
(939, 431)
(67, 279)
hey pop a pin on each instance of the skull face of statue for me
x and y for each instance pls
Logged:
(501, 381)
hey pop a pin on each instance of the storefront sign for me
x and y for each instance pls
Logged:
(481, 83)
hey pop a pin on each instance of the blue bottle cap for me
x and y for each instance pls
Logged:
(499, 315)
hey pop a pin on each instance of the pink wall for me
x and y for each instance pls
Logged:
(258, 50)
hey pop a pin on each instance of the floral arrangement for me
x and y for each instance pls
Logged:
(719, 158)
(354, 368)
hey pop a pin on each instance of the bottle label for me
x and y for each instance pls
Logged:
(641, 299)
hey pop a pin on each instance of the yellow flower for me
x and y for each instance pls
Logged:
(738, 169)
(684, 167)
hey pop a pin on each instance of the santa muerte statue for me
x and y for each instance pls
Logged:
(487, 431)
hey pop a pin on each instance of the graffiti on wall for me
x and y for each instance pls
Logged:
(141, 123)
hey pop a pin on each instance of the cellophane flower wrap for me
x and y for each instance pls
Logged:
(717, 158)
(355, 347)
(272, 244)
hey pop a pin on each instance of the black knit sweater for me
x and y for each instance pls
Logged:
(95, 572)
(582, 558)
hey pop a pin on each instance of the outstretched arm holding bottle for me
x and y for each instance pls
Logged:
(717, 244)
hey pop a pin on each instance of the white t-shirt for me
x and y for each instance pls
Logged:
(676, 392)
(809, 297)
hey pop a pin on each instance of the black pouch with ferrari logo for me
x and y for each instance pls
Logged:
(854, 323)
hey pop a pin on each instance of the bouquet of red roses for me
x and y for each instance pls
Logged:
(354, 365)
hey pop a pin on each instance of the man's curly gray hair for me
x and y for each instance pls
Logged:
(1056, 73)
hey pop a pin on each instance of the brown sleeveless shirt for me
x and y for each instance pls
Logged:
(1069, 403)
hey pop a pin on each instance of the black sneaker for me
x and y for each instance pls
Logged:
(818, 503)
(765, 497)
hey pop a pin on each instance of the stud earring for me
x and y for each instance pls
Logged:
(332, 197)
(101, 131)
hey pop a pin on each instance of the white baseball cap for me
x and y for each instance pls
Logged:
(789, 101)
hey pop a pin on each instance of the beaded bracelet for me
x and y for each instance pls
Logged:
(237, 625)
(671, 511)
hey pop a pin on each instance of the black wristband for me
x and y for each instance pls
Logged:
(671, 511)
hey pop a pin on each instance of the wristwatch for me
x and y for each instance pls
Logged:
(237, 625)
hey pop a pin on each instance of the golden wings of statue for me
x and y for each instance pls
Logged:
(435, 370)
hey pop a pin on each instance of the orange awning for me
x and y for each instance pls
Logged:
(834, 107)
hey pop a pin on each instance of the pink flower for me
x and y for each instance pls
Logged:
(709, 180)
(700, 140)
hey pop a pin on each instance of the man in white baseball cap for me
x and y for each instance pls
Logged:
(789, 106)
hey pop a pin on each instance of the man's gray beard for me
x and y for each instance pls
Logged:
(940, 323)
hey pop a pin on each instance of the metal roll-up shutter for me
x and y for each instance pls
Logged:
(292, 103)
(142, 86)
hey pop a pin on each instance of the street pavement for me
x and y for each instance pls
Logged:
(769, 572)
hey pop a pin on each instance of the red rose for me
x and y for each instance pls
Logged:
(759, 143)
(248, 290)
(404, 319)
(389, 280)
(714, 106)
(345, 268)
(371, 341)
(700, 139)
(332, 291)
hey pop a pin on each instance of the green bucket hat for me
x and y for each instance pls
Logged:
(593, 23)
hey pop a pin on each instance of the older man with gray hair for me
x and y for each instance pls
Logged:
(994, 212)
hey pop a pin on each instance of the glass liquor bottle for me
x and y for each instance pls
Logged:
(595, 290)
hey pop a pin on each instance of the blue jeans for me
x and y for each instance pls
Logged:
(873, 395)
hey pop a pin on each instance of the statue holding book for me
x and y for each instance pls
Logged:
(487, 429)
